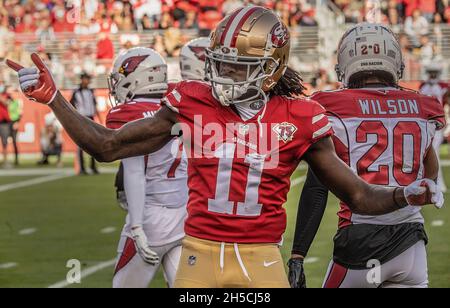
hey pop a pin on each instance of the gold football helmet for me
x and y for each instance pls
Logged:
(254, 40)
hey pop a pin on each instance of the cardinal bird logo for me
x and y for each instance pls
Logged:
(130, 64)
(280, 35)
(199, 52)
(285, 131)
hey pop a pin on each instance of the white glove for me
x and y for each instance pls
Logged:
(140, 240)
(424, 192)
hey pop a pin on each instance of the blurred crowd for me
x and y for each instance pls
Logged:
(76, 36)
(419, 24)
(47, 18)
(416, 15)
(89, 33)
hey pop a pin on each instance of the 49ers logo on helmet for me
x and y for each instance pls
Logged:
(285, 131)
(280, 35)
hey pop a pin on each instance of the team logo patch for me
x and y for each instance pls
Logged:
(131, 64)
(285, 131)
(280, 35)
(226, 50)
(192, 260)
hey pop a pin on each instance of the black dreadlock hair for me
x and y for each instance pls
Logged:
(290, 85)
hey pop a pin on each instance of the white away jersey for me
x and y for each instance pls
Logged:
(166, 191)
(383, 135)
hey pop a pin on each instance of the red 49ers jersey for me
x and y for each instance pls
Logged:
(239, 171)
(383, 135)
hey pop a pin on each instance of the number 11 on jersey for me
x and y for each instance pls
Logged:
(221, 203)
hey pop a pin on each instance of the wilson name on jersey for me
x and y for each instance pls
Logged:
(166, 169)
(239, 171)
(384, 136)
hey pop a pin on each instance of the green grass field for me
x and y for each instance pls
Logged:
(66, 218)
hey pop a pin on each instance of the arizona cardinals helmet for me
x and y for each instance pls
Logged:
(192, 59)
(368, 49)
(138, 71)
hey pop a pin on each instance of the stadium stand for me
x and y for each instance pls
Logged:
(85, 35)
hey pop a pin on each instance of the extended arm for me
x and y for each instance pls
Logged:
(134, 185)
(134, 139)
(313, 202)
(431, 164)
(311, 208)
(361, 197)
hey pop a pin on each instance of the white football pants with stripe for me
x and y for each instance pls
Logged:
(132, 272)
(408, 270)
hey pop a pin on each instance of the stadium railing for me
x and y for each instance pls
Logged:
(71, 54)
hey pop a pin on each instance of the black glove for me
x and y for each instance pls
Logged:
(297, 277)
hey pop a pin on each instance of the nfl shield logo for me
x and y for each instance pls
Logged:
(285, 131)
(192, 260)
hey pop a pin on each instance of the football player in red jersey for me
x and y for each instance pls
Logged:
(433, 86)
(384, 133)
(245, 134)
(155, 222)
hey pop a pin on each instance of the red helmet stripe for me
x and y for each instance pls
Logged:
(228, 25)
(241, 23)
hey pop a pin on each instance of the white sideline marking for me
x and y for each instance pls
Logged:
(36, 181)
(311, 260)
(437, 223)
(8, 265)
(28, 231)
(47, 171)
(298, 181)
(85, 273)
(108, 230)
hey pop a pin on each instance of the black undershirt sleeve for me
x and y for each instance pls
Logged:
(313, 202)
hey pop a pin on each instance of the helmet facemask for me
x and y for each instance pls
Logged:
(141, 82)
(247, 84)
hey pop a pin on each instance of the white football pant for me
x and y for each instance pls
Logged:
(132, 272)
(408, 270)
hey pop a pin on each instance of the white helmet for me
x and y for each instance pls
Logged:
(434, 67)
(369, 48)
(192, 59)
(138, 71)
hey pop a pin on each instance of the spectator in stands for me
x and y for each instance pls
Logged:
(173, 42)
(44, 31)
(231, 5)
(158, 45)
(84, 101)
(323, 82)
(60, 23)
(4, 122)
(428, 8)
(146, 24)
(416, 26)
(105, 53)
(427, 50)
(147, 9)
(393, 14)
(15, 112)
(51, 140)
